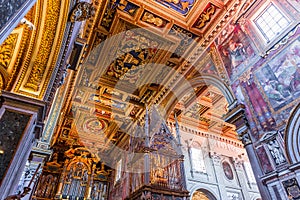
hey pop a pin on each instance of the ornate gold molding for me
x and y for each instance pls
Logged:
(10, 53)
(40, 63)
(50, 19)
(7, 50)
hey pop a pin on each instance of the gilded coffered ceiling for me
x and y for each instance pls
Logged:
(138, 54)
(139, 51)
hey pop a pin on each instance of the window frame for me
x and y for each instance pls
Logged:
(196, 169)
(262, 32)
(257, 9)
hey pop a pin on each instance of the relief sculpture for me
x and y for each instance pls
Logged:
(205, 16)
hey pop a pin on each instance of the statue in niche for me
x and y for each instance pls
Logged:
(276, 152)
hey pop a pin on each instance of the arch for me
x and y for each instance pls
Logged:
(213, 190)
(186, 86)
(200, 193)
(218, 83)
(292, 136)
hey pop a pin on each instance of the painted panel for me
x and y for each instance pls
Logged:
(181, 6)
(264, 160)
(280, 78)
(235, 50)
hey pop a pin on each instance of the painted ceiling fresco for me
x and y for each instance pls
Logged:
(181, 6)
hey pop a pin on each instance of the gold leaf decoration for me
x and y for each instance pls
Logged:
(40, 64)
(7, 50)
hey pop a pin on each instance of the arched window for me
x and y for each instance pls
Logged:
(203, 194)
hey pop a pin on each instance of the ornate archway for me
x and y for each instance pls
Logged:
(292, 136)
(203, 194)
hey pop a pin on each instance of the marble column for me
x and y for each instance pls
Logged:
(21, 122)
(237, 117)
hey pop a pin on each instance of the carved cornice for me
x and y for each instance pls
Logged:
(10, 51)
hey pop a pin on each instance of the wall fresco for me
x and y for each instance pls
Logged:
(280, 78)
(235, 50)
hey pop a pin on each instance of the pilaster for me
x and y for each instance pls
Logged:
(22, 122)
(238, 165)
(216, 160)
(237, 117)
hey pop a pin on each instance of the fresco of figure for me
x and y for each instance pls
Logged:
(235, 50)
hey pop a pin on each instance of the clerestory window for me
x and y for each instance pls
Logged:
(271, 22)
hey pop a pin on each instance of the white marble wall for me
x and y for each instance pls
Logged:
(216, 151)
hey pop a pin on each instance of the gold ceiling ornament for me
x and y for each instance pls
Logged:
(40, 63)
(82, 11)
(153, 19)
(205, 16)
